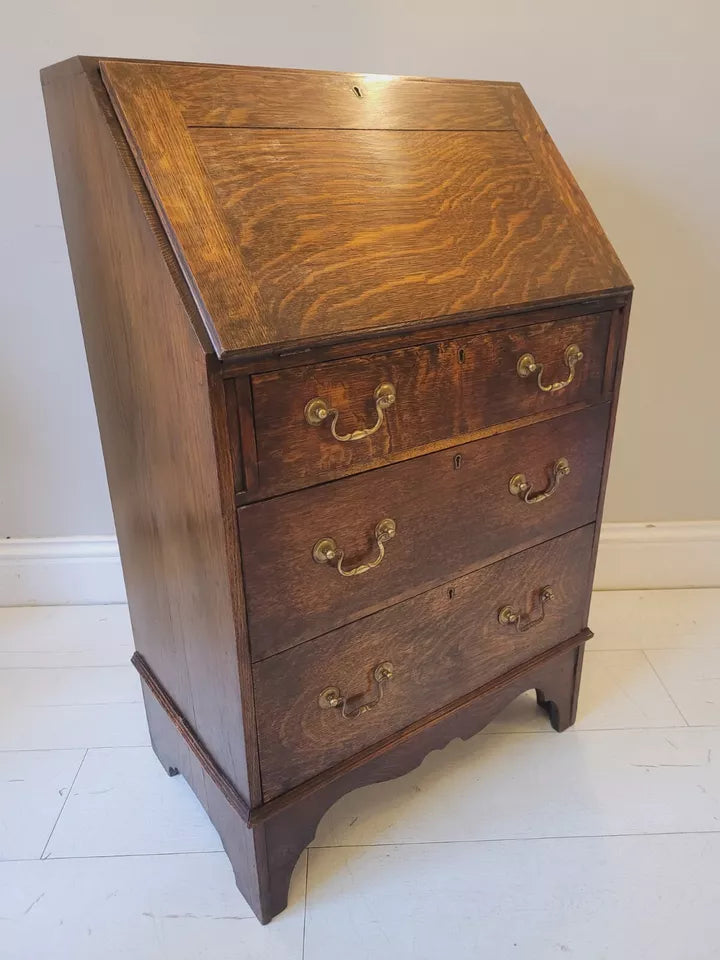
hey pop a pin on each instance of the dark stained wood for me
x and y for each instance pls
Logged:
(442, 644)
(477, 322)
(245, 432)
(192, 740)
(446, 392)
(156, 424)
(213, 268)
(449, 521)
(243, 239)
(245, 847)
(418, 222)
(616, 354)
(264, 856)
(291, 821)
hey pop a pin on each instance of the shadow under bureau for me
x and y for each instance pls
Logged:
(355, 344)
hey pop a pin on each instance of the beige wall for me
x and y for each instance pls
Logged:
(628, 88)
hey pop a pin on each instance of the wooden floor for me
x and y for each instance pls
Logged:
(602, 842)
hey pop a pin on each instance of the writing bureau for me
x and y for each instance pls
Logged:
(355, 344)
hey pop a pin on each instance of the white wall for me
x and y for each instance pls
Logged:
(628, 88)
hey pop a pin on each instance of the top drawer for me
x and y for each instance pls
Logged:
(324, 421)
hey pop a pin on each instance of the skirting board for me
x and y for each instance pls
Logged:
(632, 556)
(60, 570)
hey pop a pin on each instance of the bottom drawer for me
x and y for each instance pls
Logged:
(439, 645)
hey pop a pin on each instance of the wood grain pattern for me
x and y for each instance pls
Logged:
(449, 521)
(291, 820)
(263, 856)
(553, 166)
(184, 198)
(152, 387)
(291, 235)
(212, 96)
(431, 331)
(445, 391)
(616, 357)
(244, 238)
(437, 223)
(442, 644)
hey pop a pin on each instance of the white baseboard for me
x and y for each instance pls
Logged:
(632, 556)
(655, 556)
(60, 570)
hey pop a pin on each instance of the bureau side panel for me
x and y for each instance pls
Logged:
(159, 404)
(613, 376)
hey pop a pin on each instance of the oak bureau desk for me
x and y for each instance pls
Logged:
(355, 344)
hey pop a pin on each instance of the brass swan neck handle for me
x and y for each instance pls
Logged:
(523, 621)
(358, 703)
(527, 365)
(326, 550)
(520, 487)
(318, 411)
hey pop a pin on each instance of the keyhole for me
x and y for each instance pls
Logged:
(357, 91)
(461, 355)
(457, 461)
(451, 593)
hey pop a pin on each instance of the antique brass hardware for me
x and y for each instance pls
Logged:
(353, 706)
(318, 410)
(519, 486)
(327, 551)
(522, 621)
(527, 365)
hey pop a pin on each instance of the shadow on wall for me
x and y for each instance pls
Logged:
(669, 395)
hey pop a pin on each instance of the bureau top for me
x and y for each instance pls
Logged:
(308, 208)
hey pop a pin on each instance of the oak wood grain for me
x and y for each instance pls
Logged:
(379, 228)
(290, 826)
(242, 238)
(431, 331)
(587, 226)
(290, 234)
(441, 644)
(445, 391)
(184, 198)
(211, 96)
(172, 497)
(450, 520)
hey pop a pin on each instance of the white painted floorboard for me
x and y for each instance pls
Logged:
(602, 842)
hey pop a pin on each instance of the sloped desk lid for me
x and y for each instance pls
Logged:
(312, 207)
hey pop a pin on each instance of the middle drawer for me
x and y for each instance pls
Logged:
(452, 512)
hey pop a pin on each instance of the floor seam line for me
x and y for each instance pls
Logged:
(307, 873)
(65, 800)
(662, 684)
(578, 836)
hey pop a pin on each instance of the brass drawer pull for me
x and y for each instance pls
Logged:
(522, 621)
(352, 707)
(317, 411)
(327, 551)
(519, 486)
(527, 365)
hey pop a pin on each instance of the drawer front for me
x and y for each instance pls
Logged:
(453, 511)
(441, 645)
(441, 391)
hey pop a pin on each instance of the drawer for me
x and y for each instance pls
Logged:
(453, 511)
(441, 391)
(441, 645)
